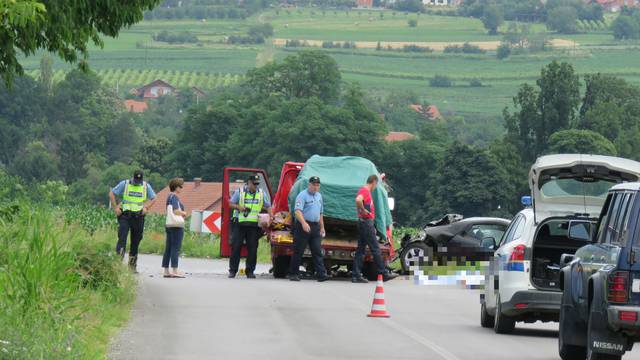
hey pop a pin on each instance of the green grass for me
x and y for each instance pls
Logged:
(64, 292)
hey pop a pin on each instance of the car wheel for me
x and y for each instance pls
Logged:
(568, 352)
(281, 266)
(486, 320)
(413, 254)
(591, 355)
(502, 324)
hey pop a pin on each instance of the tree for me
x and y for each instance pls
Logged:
(36, 162)
(625, 27)
(412, 22)
(46, 73)
(563, 19)
(63, 27)
(307, 74)
(503, 51)
(576, 141)
(492, 18)
(471, 183)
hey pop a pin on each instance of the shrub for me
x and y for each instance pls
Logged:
(348, 45)
(475, 83)
(412, 22)
(472, 49)
(416, 48)
(440, 81)
(503, 51)
(452, 49)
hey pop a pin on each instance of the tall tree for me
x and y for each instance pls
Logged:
(492, 18)
(576, 141)
(63, 27)
(46, 73)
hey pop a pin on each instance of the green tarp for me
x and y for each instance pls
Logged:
(341, 178)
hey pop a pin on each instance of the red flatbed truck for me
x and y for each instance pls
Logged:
(338, 247)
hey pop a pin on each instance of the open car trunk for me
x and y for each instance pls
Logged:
(550, 243)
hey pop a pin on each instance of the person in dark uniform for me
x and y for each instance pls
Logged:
(309, 229)
(247, 203)
(136, 195)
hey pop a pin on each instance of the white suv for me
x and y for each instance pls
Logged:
(522, 283)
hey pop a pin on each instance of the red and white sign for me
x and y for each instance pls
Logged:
(212, 222)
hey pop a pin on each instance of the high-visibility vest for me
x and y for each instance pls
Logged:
(255, 203)
(134, 196)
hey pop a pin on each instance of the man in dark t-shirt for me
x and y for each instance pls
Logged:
(367, 231)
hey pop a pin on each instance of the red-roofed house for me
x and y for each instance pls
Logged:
(154, 90)
(617, 5)
(364, 3)
(431, 111)
(135, 106)
(196, 195)
(398, 136)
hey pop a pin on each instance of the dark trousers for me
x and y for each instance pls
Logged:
(249, 235)
(367, 232)
(129, 222)
(172, 246)
(300, 241)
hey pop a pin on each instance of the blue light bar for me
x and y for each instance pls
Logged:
(526, 200)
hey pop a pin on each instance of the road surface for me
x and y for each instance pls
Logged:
(208, 316)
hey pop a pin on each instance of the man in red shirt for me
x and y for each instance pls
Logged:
(367, 230)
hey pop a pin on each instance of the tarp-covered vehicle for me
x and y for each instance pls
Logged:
(341, 178)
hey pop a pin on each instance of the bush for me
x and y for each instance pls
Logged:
(294, 43)
(412, 22)
(472, 49)
(475, 83)
(416, 48)
(503, 51)
(440, 81)
(452, 49)
(176, 38)
(348, 45)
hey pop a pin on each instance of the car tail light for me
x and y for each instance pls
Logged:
(617, 286)
(521, 306)
(518, 253)
(631, 316)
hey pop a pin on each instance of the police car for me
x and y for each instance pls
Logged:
(523, 281)
(601, 284)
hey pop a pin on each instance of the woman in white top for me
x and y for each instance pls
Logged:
(174, 229)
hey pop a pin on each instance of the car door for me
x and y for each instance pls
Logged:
(496, 265)
(471, 240)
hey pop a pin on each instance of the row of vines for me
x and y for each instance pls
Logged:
(129, 78)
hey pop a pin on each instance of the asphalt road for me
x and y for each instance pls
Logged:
(207, 316)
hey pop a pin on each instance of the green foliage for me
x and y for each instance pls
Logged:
(576, 141)
(412, 23)
(62, 291)
(466, 48)
(471, 182)
(440, 81)
(545, 111)
(61, 27)
(503, 51)
(563, 20)
(626, 27)
(308, 74)
(492, 18)
(183, 37)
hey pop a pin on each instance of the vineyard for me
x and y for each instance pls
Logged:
(593, 25)
(129, 78)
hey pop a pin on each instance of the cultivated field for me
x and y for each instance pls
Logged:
(135, 58)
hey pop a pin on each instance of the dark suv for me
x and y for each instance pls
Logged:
(601, 282)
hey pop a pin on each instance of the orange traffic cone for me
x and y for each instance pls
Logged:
(378, 308)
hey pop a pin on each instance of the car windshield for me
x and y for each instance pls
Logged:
(576, 187)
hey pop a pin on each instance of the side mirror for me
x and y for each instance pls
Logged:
(489, 243)
(580, 230)
(565, 259)
(392, 203)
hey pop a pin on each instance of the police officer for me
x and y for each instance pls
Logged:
(135, 194)
(367, 231)
(309, 229)
(247, 203)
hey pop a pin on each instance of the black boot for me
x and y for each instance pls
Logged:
(121, 253)
(133, 263)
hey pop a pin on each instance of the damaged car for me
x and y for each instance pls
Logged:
(452, 238)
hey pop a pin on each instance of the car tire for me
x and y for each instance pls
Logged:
(281, 266)
(566, 351)
(412, 252)
(591, 355)
(486, 320)
(502, 324)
